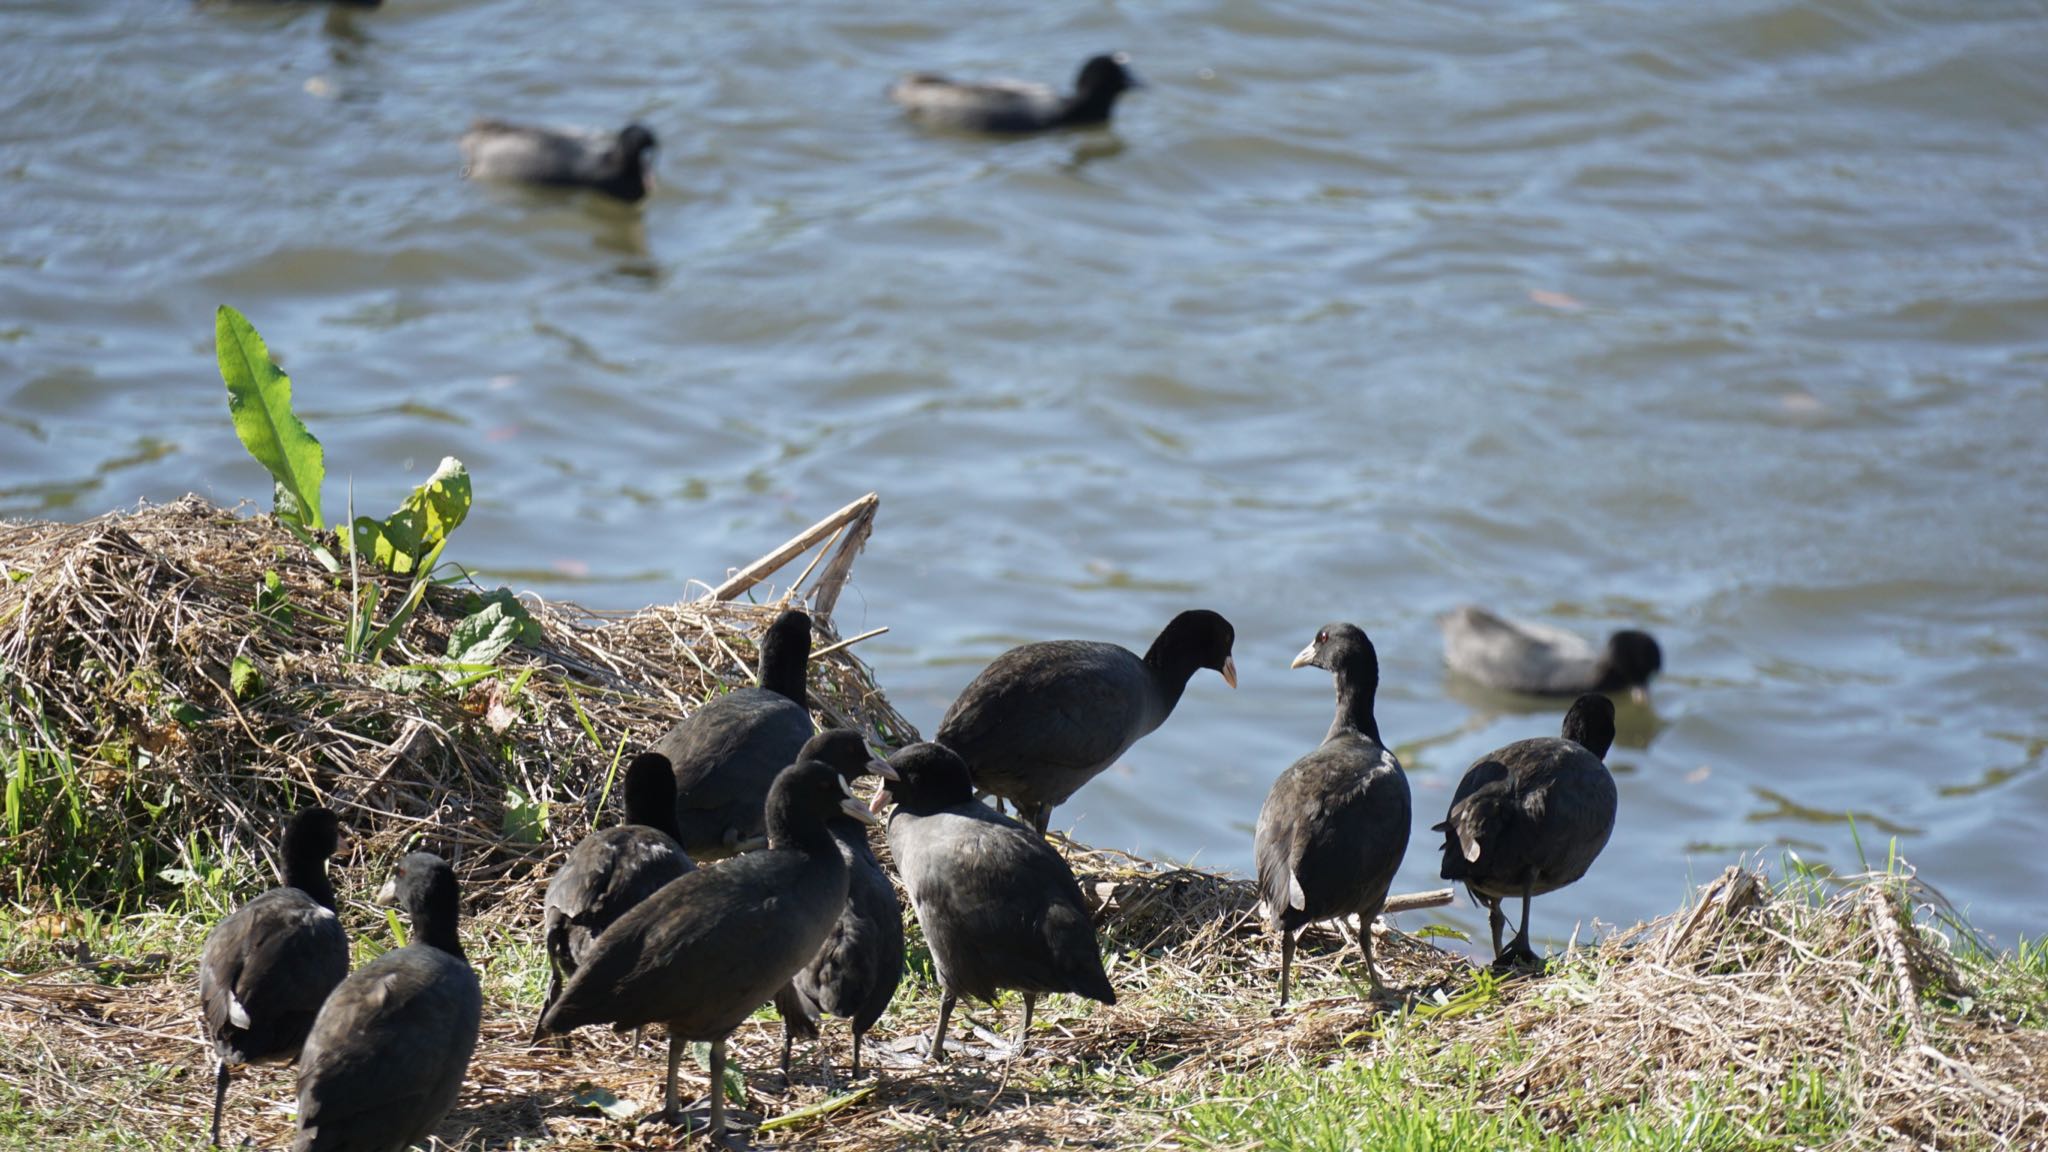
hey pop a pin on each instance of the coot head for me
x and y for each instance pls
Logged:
(424, 885)
(312, 836)
(1106, 76)
(1197, 638)
(847, 752)
(786, 654)
(1341, 648)
(651, 792)
(1590, 723)
(802, 802)
(1633, 658)
(638, 147)
(928, 777)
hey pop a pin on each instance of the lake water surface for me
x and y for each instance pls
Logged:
(1729, 321)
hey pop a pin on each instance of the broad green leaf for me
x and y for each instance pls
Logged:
(260, 400)
(596, 1097)
(421, 524)
(487, 633)
(526, 817)
(243, 679)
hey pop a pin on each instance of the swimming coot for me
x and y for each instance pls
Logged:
(617, 163)
(610, 871)
(727, 753)
(1335, 825)
(1046, 718)
(704, 952)
(1516, 656)
(856, 972)
(267, 969)
(1008, 107)
(999, 908)
(1531, 817)
(387, 1056)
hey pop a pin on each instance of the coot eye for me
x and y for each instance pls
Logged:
(1323, 637)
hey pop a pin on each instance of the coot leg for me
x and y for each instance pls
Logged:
(1496, 921)
(856, 1054)
(1024, 1033)
(718, 1091)
(1286, 962)
(787, 1037)
(220, 1096)
(670, 1112)
(938, 1052)
(1372, 974)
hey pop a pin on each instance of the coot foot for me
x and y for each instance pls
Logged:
(1518, 957)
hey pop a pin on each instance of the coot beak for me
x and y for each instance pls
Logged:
(1640, 694)
(880, 801)
(1305, 657)
(1230, 671)
(881, 768)
(858, 811)
(387, 896)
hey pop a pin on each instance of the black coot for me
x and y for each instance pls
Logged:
(268, 968)
(1007, 107)
(999, 908)
(1531, 817)
(609, 872)
(1046, 718)
(1518, 656)
(727, 753)
(856, 972)
(704, 952)
(1335, 825)
(389, 1051)
(617, 163)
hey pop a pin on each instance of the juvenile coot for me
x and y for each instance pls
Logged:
(267, 969)
(728, 752)
(1516, 656)
(856, 972)
(610, 871)
(1531, 817)
(1335, 825)
(1008, 107)
(999, 908)
(704, 952)
(1046, 718)
(617, 163)
(387, 1056)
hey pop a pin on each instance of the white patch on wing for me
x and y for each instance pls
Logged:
(1296, 898)
(237, 1015)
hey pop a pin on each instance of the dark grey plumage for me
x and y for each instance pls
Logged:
(608, 872)
(1536, 659)
(619, 163)
(387, 1056)
(856, 971)
(1007, 107)
(998, 906)
(1530, 818)
(701, 954)
(727, 753)
(1335, 824)
(266, 969)
(1043, 719)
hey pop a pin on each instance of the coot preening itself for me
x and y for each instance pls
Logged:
(610, 871)
(1335, 825)
(389, 1051)
(617, 163)
(1531, 817)
(1046, 718)
(856, 972)
(1009, 107)
(728, 752)
(999, 908)
(267, 969)
(704, 952)
(1516, 656)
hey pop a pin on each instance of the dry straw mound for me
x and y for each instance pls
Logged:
(119, 639)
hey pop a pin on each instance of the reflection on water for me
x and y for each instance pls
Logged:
(1723, 321)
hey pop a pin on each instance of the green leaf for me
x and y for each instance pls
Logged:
(273, 600)
(421, 524)
(260, 401)
(605, 1102)
(526, 817)
(489, 631)
(243, 678)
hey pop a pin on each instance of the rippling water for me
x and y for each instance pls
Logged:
(1730, 321)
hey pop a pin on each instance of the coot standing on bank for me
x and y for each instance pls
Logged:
(386, 1058)
(618, 164)
(998, 906)
(856, 972)
(701, 954)
(267, 968)
(1046, 718)
(1530, 818)
(1008, 107)
(1335, 825)
(608, 872)
(1536, 659)
(727, 753)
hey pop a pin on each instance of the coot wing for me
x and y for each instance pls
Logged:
(1053, 714)
(388, 1054)
(1517, 655)
(266, 970)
